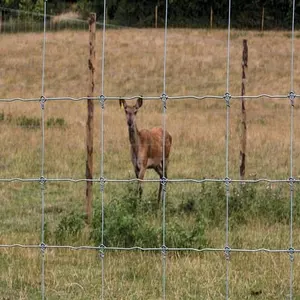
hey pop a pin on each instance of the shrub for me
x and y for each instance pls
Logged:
(181, 234)
(269, 205)
(130, 222)
(125, 225)
(207, 204)
(70, 227)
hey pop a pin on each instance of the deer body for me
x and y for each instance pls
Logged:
(146, 146)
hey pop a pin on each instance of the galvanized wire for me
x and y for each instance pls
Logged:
(292, 99)
(228, 46)
(102, 100)
(170, 180)
(42, 181)
(179, 97)
(150, 249)
(163, 180)
(227, 100)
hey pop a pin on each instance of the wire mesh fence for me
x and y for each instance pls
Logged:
(102, 181)
(17, 20)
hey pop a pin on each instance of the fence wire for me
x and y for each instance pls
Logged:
(227, 98)
(179, 97)
(292, 98)
(102, 99)
(18, 20)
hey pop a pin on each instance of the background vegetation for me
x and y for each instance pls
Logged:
(187, 13)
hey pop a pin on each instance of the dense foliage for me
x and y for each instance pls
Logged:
(190, 216)
(181, 13)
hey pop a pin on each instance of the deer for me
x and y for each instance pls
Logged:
(146, 146)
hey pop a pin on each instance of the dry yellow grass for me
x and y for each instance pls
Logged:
(196, 65)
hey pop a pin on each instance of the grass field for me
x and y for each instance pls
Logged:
(196, 65)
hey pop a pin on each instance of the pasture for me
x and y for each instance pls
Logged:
(195, 213)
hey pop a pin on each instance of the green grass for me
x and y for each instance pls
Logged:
(259, 218)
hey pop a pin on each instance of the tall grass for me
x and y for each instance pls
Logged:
(196, 65)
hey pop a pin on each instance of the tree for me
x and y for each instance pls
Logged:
(10, 3)
(136, 12)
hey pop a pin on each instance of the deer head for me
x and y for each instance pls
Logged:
(131, 111)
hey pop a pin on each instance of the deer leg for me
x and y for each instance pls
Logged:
(166, 170)
(137, 171)
(159, 171)
(141, 177)
(166, 167)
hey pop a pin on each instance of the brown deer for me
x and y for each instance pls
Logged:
(146, 146)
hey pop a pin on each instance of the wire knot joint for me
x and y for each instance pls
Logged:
(43, 101)
(164, 250)
(163, 182)
(227, 252)
(102, 100)
(102, 183)
(227, 98)
(43, 247)
(164, 98)
(291, 183)
(292, 97)
(227, 183)
(101, 251)
(42, 180)
(291, 253)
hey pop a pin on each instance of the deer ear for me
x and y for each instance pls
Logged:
(139, 102)
(122, 102)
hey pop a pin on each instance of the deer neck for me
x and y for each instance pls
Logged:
(134, 137)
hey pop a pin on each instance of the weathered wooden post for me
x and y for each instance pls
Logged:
(243, 117)
(90, 117)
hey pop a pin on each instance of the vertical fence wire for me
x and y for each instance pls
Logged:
(102, 181)
(42, 178)
(227, 181)
(163, 181)
(292, 98)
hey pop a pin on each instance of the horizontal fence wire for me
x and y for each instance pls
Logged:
(137, 248)
(181, 97)
(169, 180)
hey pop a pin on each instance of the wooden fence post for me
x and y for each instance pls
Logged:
(243, 117)
(90, 117)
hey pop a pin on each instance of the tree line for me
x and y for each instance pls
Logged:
(271, 14)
